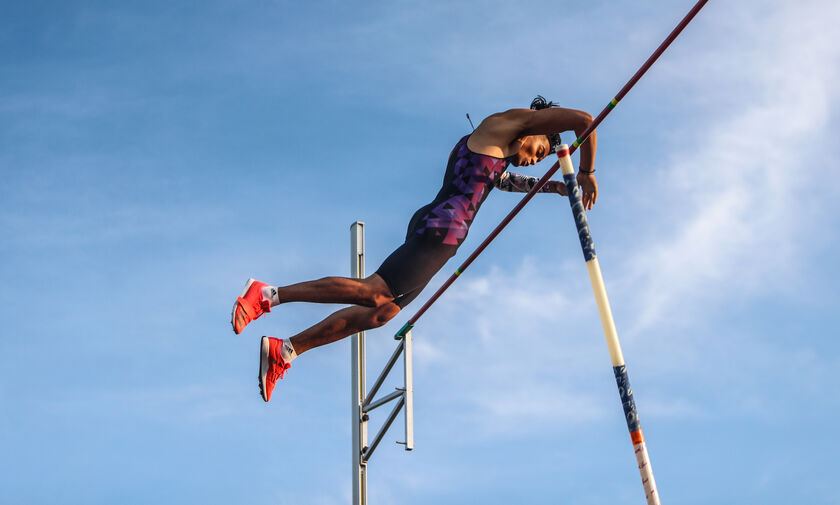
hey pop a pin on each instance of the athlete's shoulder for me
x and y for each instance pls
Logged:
(504, 123)
(495, 134)
(508, 115)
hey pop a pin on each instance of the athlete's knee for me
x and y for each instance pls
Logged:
(378, 293)
(383, 314)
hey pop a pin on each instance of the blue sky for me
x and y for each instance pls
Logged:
(156, 155)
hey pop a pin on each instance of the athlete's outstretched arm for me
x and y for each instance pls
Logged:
(558, 119)
(519, 183)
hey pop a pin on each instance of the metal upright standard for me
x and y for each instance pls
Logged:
(357, 378)
(362, 404)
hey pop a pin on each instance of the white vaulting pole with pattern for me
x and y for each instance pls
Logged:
(619, 369)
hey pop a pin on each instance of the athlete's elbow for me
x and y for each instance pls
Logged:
(585, 119)
(582, 122)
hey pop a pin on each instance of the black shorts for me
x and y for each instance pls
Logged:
(408, 269)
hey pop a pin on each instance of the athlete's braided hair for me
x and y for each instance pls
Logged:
(540, 103)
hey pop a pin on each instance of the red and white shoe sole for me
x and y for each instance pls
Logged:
(233, 311)
(265, 346)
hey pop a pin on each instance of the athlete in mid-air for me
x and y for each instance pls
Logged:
(477, 164)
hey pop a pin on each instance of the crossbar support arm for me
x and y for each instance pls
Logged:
(393, 415)
(382, 376)
(382, 401)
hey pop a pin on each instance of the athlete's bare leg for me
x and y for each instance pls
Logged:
(257, 297)
(371, 291)
(344, 323)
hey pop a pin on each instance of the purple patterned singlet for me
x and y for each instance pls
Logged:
(467, 183)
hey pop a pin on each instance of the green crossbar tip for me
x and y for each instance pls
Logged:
(403, 331)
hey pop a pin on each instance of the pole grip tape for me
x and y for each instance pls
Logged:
(627, 402)
(582, 224)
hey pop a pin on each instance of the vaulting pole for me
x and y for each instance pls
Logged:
(545, 178)
(600, 291)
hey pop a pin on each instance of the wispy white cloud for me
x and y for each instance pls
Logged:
(742, 185)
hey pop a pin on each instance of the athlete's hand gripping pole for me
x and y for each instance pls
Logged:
(619, 369)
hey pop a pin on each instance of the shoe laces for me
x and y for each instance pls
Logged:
(279, 365)
(278, 369)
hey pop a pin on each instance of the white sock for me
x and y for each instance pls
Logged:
(270, 294)
(288, 351)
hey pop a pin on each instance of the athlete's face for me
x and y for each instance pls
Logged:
(534, 148)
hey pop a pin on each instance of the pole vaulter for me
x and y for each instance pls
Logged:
(565, 165)
(515, 137)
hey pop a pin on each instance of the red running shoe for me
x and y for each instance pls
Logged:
(272, 366)
(249, 306)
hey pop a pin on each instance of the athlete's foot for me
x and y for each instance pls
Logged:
(272, 365)
(250, 305)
